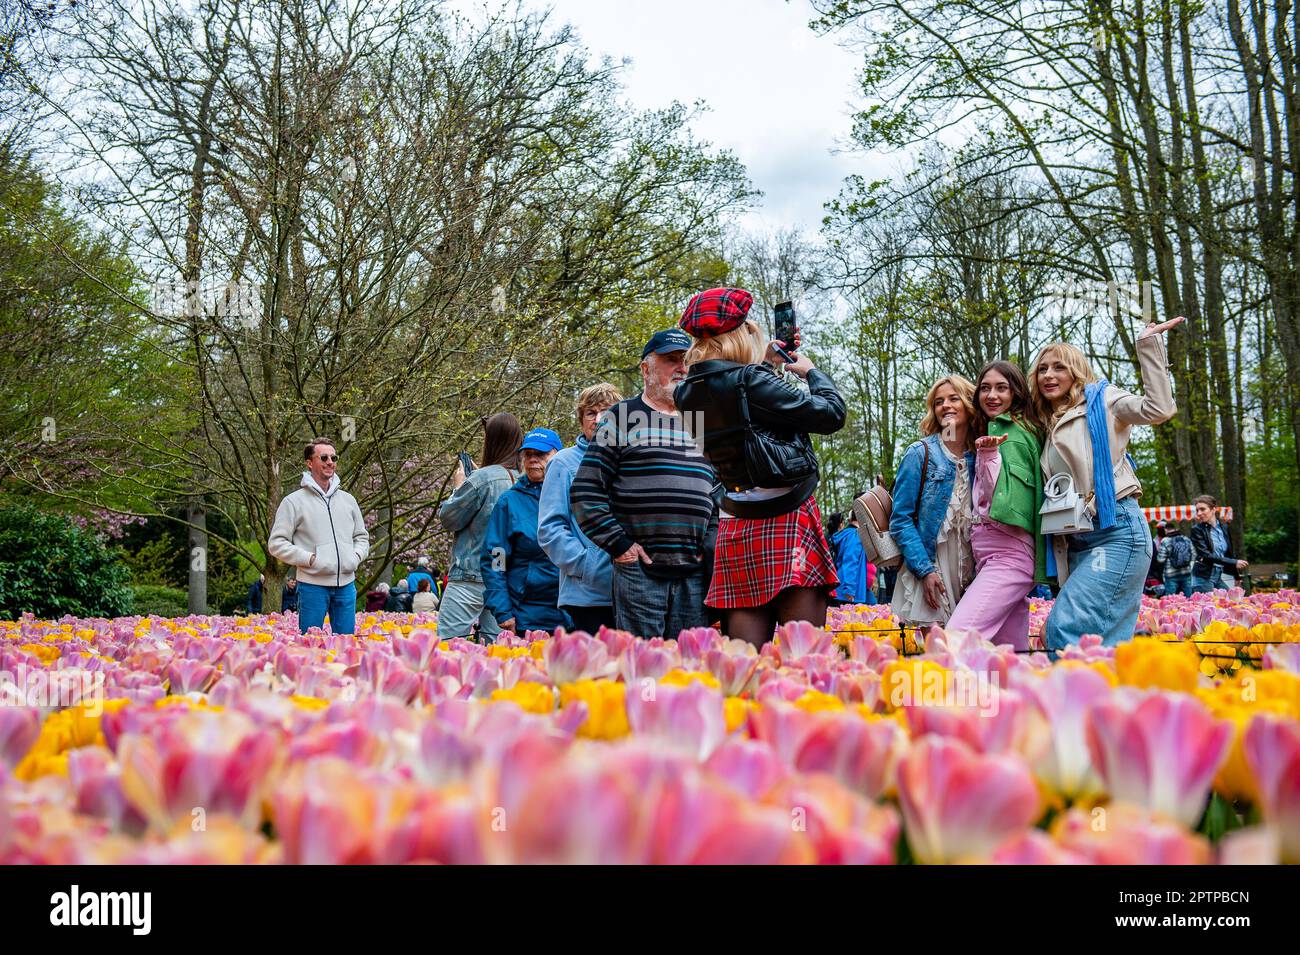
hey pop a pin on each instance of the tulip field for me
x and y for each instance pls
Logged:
(239, 740)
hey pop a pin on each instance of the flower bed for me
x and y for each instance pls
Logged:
(236, 739)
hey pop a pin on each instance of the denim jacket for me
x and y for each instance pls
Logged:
(916, 535)
(466, 515)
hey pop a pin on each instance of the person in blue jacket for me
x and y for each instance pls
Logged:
(586, 574)
(521, 585)
(851, 562)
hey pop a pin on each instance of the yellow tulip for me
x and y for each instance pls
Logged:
(680, 677)
(528, 696)
(606, 713)
(1147, 663)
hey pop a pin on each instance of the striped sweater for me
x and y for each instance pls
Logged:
(643, 480)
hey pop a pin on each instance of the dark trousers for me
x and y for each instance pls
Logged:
(648, 606)
(590, 619)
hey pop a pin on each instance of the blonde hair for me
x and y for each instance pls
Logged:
(965, 391)
(1077, 364)
(744, 344)
(600, 395)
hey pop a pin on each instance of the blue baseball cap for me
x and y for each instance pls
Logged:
(672, 339)
(541, 439)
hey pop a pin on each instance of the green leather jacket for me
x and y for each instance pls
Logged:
(1019, 491)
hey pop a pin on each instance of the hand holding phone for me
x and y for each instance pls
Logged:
(785, 330)
(466, 464)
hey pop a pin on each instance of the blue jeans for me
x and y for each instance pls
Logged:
(1178, 584)
(341, 603)
(1103, 592)
(1203, 585)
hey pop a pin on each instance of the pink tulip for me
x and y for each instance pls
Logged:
(1157, 750)
(862, 754)
(1120, 834)
(324, 813)
(799, 638)
(694, 823)
(1283, 656)
(748, 766)
(190, 676)
(1272, 747)
(734, 672)
(1006, 723)
(841, 827)
(418, 649)
(646, 660)
(572, 656)
(1063, 696)
(20, 726)
(577, 814)
(687, 719)
(1035, 847)
(876, 654)
(960, 805)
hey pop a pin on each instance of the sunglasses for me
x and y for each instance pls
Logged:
(329, 457)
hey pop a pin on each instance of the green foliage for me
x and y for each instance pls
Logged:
(48, 567)
(158, 555)
(148, 599)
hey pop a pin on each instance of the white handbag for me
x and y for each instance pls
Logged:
(1063, 510)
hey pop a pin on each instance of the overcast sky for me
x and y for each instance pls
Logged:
(780, 96)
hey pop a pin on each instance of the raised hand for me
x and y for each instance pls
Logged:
(989, 442)
(1159, 329)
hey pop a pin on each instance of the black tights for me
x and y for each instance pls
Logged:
(755, 624)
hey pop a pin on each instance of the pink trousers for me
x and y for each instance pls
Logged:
(994, 604)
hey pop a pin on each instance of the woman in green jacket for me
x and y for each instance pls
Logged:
(1009, 555)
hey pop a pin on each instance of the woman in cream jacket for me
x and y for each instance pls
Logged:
(1101, 571)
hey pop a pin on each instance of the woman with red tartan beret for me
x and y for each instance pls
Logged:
(772, 563)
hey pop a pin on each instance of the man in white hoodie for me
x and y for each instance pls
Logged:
(319, 529)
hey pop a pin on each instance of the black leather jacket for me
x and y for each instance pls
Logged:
(1204, 546)
(710, 402)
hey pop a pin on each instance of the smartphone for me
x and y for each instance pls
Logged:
(784, 326)
(466, 464)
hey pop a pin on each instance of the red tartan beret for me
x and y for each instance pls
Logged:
(715, 311)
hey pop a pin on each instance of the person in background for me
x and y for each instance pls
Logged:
(377, 599)
(1213, 547)
(1156, 574)
(521, 585)
(645, 495)
(1176, 555)
(424, 600)
(1087, 425)
(254, 602)
(397, 598)
(466, 514)
(856, 573)
(935, 536)
(586, 574)
(1008, 493)
(320, 530)
(420, 573)
(289, 597)
(773, 564)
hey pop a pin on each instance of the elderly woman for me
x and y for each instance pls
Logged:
(522, 585)
(772, 563)
(377, 599)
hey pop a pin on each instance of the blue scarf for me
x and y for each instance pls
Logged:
(1103, 472)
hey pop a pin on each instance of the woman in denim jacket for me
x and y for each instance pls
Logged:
(935, 536)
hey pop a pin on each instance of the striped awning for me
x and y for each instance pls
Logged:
(1179, 512)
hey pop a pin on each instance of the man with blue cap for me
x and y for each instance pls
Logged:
(646, 496)
(521, 585)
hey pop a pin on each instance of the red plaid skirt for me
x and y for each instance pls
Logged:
(757, 558)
